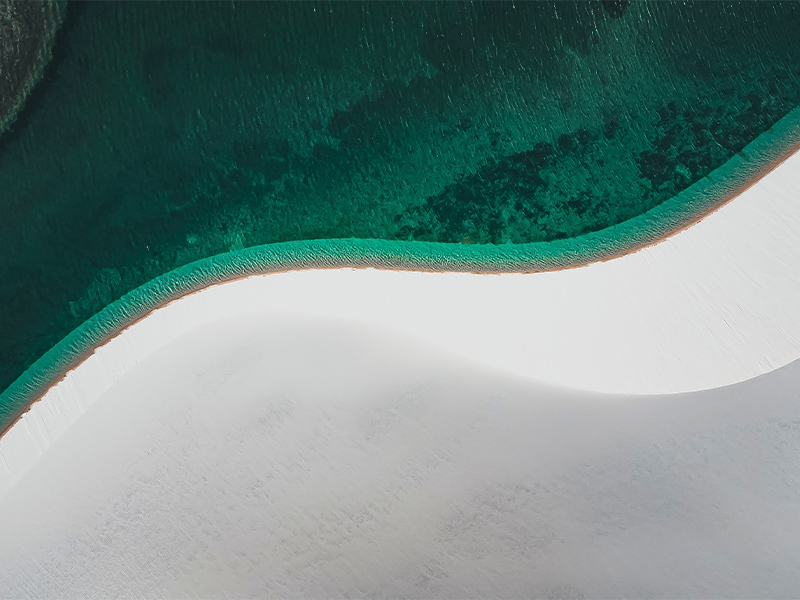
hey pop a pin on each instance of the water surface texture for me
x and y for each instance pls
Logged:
(167, 133)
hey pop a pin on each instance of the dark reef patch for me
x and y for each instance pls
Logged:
(27, 33)
(615, 8)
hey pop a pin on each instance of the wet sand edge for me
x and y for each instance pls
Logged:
(42, 387)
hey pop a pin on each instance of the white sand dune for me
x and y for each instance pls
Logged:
(238, 442)
(289, 457)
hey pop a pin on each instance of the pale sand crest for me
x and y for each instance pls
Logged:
(300, 457)
(714, 305)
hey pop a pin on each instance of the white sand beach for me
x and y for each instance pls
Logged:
(365, 432)
(304, 457)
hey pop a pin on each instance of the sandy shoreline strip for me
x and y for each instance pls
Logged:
(772, 150)
(786, 151)
(275, 456)
(713, 305)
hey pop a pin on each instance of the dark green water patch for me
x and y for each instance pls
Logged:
(169, 133)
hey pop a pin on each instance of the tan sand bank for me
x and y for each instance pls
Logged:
(302, 457)
(238, 442)
(714, 305)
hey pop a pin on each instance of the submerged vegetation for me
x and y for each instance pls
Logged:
(27, 32)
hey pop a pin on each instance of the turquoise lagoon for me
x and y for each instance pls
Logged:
(175, 145)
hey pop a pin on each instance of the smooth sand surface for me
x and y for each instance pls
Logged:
(371, 432)
(713, 305)
(286, 457)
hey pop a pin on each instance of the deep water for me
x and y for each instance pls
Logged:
(167, 133)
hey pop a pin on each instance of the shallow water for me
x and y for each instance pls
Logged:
(166, 133)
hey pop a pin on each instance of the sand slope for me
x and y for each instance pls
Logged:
(283, 456)
(378, 433)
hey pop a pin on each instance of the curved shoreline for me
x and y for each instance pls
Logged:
(742, 172)
(269, 436)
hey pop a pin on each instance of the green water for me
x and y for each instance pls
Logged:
(166, 133)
